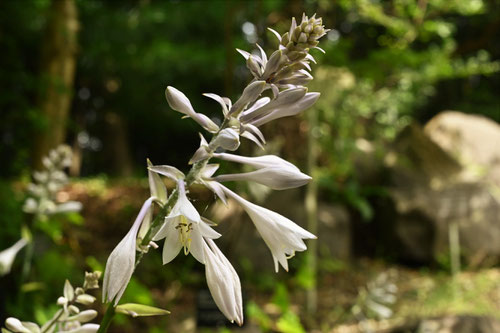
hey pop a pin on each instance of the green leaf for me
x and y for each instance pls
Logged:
(139, 310)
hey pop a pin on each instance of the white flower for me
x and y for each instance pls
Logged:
(184, 228)
(250, 94)
(7, 256)
(281, 235)
(179, 102)
(272, 171)
(87, 328)
(288, 103)
(16, 326)
(157, 188)
(121, 261)
(228, 139)
(223, 282)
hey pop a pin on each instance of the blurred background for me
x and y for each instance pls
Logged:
(403, 146)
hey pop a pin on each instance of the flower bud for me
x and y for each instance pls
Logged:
(85, 299)
(228, 139)
(73, 309)
(250, 94)
(84, 316)
(15, 325)
(62, 301)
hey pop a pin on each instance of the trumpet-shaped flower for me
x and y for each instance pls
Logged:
(184, 228)
(179, 102)
(121, 261)
(281, 235)
(272, 171)
(7, 256)
(223, 282)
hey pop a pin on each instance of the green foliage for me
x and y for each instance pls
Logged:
(388, 68)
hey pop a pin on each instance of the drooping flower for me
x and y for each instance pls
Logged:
(272, 171)
(281, 235)
(121, 261)
(184, 228)
(289, 102)
(8, 256)
(179, 102)
(223, 282)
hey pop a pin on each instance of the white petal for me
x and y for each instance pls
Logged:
(284, 100)
(215, 187)
(196, 246)
(120, 264)
(281, 235)
(7, 256)
(224, 283)
(250, 94)
(277, 178)
(207, 232)
(253, 138)
(172, 244)
(168, 171)
(178, 101)
(156, 185)
(87, 328)
(262, 55)
(275, 33)
(264, 161)
(245, 54)
(219, 100)
(306, 102)
(227, 139)
(15, 325)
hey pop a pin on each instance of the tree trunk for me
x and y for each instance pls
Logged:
(57, 75)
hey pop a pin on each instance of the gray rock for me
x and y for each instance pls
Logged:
(434, 185)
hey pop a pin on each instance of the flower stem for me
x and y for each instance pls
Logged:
(157, 223)
(106, 320)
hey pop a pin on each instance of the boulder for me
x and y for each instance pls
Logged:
(445, 174)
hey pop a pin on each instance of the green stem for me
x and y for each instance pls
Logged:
(106, 320)
(158, 221)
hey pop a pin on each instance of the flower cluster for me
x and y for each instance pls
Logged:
(47, 183)
(69, 319)
(277, 91)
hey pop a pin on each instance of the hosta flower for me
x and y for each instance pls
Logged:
(16, 326)
(184, 228)
(223, 282)
(250, 94)
(228, 139)
(121, 261)
(179, 102)
(86, 328)
(7, 256)
(288, 103)
(281, 235)
(277, 173)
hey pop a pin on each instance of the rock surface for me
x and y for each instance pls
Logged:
(447, 173)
